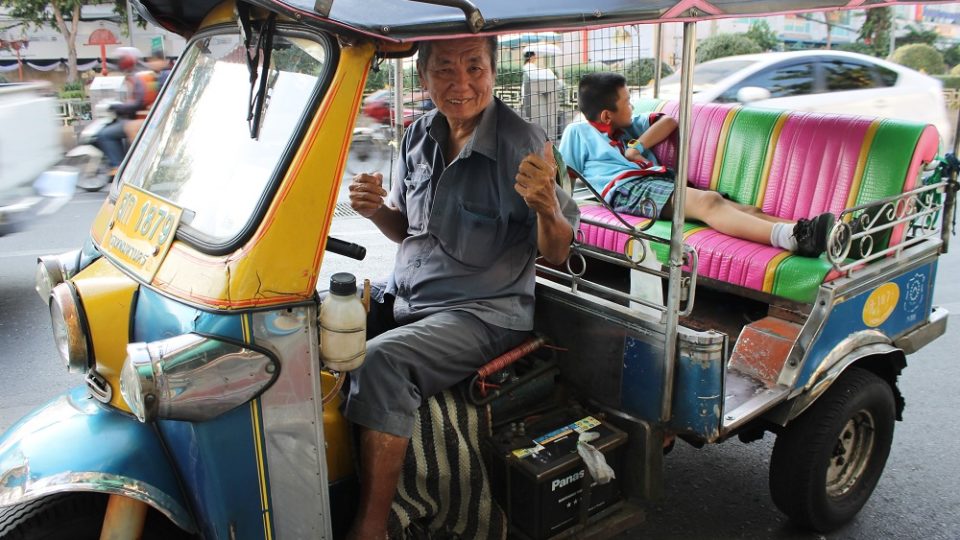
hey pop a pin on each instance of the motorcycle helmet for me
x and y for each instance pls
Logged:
(127, 58)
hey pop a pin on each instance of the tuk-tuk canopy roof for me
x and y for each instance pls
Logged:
(411, 20)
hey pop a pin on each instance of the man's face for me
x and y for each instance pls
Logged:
(623, 116)
(459, 77)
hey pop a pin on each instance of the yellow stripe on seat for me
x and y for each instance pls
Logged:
(861, 165)
(722, 147)
(770, 276)
(768, 160)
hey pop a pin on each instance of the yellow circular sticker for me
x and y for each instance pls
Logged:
(880, 304)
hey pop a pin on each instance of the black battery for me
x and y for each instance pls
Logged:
(538, 477)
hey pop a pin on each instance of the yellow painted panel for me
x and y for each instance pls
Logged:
(107, 297)
(336, 431)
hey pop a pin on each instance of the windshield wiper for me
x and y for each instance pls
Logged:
(262, 50)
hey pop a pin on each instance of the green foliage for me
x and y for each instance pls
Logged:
(761, 34)
(509, 74)
(640, 72)
(875, 31)
(916, 34)
(42, 12)
(572, 74)
(921, 57)
(722, 45)
(382, 77)
(951, 55)
(72, 90)
(952, 80)
(857, 47)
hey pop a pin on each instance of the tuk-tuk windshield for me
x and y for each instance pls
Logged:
(197, 151)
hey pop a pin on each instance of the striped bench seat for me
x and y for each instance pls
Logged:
(790, 164)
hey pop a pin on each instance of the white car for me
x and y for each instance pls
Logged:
(820, 81)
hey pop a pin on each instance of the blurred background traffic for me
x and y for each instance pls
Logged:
(901, 62)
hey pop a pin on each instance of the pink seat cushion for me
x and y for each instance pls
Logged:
(813, 165)
(708, 121)
(600, 237)
(732, 260)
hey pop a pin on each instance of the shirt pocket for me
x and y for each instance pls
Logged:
(476, 240)
(417, 196)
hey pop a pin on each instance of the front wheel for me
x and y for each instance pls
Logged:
(827, 462)
(72, 516)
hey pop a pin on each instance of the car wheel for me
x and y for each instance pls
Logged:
(827, 462)
(72, 516)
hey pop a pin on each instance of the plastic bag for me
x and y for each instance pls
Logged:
(594, 459)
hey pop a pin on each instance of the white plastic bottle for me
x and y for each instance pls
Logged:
(343, 325)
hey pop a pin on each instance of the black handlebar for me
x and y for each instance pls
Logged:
(347, 249)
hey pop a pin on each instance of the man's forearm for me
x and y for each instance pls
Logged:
(391, 222)
(554, 236)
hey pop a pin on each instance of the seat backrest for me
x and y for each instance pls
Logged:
(709, 120)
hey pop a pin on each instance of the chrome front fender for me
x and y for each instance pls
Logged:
(75, 443)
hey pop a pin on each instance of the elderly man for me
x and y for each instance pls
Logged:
(474, 201)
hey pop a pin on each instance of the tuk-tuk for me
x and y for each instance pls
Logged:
(208, 411)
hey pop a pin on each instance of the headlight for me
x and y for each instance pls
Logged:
(53, 270)
(69, 328)
(192, 377)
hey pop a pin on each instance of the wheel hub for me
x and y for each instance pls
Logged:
(851, 454)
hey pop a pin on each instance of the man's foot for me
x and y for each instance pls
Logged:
(811, 234)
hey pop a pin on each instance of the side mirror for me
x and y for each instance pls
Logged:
(749, 94)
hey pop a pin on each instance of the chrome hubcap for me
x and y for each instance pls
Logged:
(851, 454)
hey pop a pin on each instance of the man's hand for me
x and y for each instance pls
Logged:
(367, 194)
(536, 181)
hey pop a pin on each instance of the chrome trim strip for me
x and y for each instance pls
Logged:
(295, 445)
(915, 340)
(98, 482)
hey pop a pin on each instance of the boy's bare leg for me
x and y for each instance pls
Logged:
(712, 209)
(381, 460)
(753, 210)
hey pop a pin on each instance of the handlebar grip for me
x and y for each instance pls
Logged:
(347, 249)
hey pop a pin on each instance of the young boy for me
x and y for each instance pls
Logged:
(612, 151)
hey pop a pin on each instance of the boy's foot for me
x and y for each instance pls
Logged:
(811, 234)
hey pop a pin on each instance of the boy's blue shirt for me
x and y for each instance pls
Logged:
(598, 156)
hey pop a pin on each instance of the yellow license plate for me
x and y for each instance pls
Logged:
(141, 231)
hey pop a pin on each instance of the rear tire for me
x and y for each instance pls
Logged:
(72, 516)
(827, 462)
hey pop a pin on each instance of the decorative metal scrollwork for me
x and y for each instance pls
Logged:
(861, 233)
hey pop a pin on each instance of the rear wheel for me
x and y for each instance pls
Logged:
(72, 516)
(827, 462)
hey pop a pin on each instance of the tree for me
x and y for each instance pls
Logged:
(62, 15)
(640, 71)
(951, 55)
(722, 45)
(916, 34)
(921, 57)
(876, 29)
(761, 34)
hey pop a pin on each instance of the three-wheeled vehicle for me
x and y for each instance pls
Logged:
(192, 310)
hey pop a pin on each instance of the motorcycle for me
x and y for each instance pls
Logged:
(93, 171)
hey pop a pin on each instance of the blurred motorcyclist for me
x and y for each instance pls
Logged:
(153, 78)
(142, 88)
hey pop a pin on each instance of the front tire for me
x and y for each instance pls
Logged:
(827, 462)
(72, 516)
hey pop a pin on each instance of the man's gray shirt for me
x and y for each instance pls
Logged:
(472, 240)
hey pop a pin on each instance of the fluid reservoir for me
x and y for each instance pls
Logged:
(343, 325)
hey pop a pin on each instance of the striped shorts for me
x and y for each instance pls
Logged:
(644, 196)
